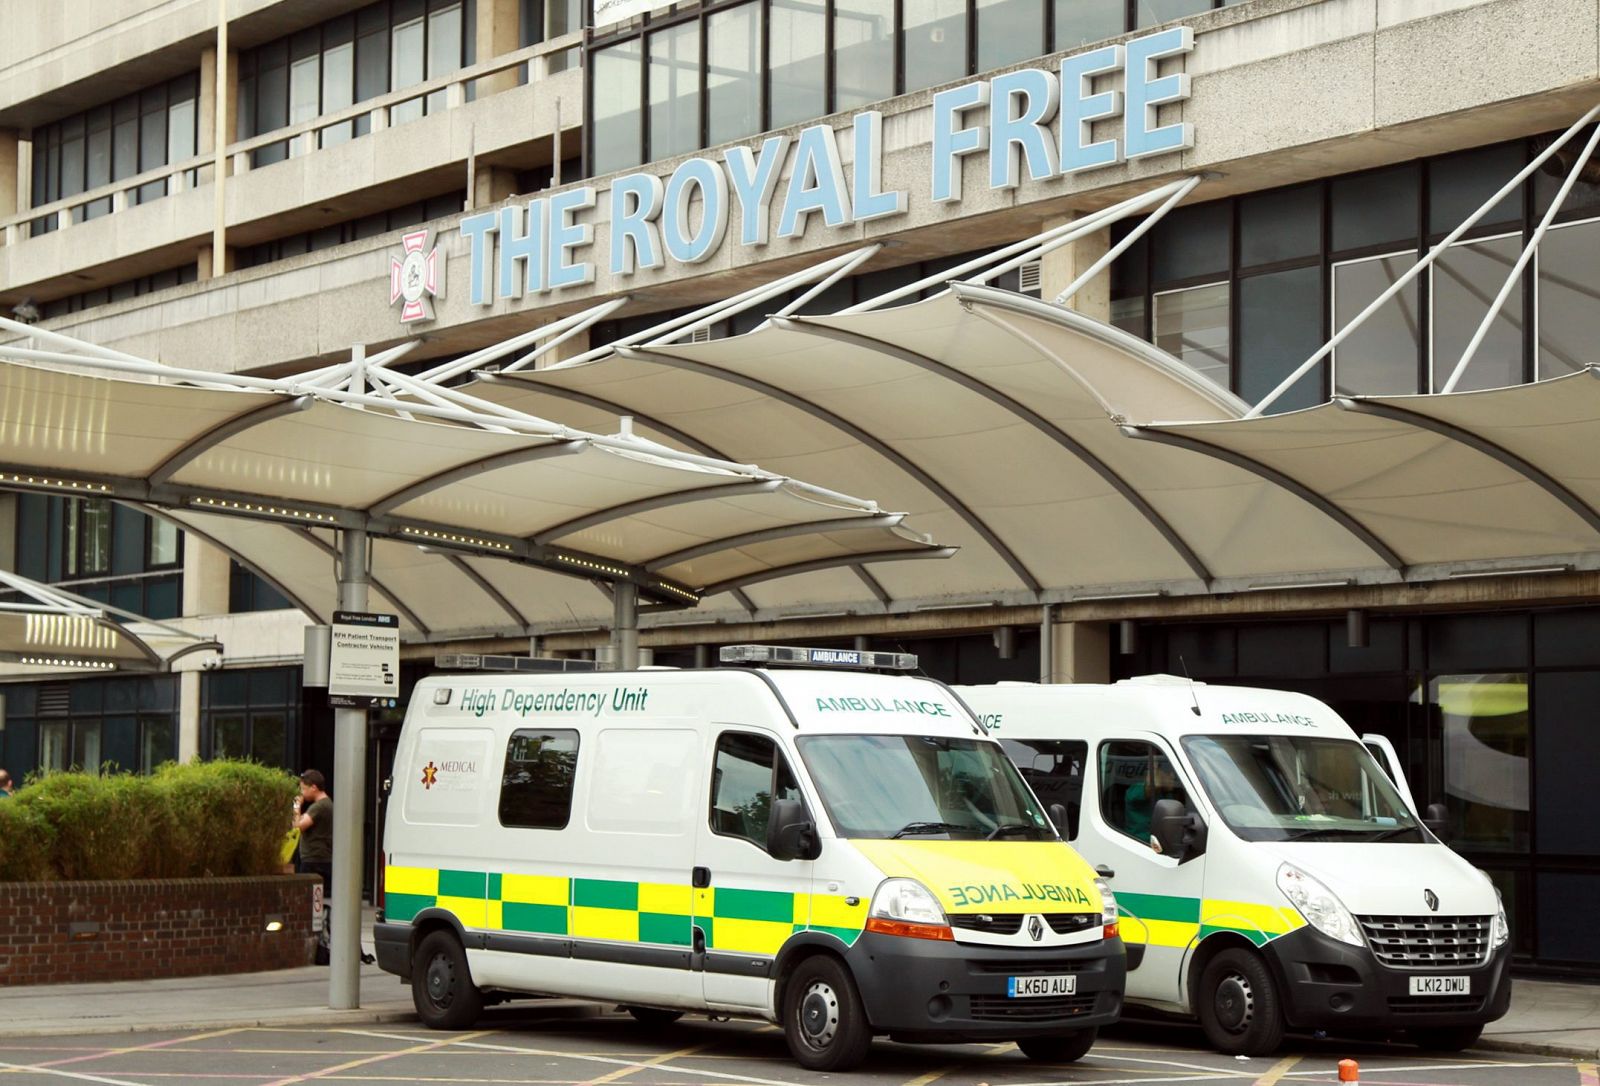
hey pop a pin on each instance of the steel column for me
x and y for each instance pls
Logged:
(625, 626)
(349, 788)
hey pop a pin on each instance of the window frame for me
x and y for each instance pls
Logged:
(780, 762)
(572, 784)
(1156, 747)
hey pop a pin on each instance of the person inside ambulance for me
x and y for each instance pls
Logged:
(1139, 801)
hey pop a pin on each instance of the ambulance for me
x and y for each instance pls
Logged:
(1269, 872)
(844, 853)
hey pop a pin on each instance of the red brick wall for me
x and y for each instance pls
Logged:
(73, 932)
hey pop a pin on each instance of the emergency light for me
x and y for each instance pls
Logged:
(794, 656)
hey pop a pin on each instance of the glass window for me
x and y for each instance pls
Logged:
(1380, 357)
(1192, 326)
(1009, 31)
(935, 42)
(1459, 184)
(863, 52)
(1053, 768)
(1480, 735)
(272, 109)
(1128, 314)
(97, 163)
(53, 738)
(1280, 326)
(1153, 12)
(1465, 280)
(733, 73)
(372, 68)
(338, 78)
(1281, 225)
(305, 73)
(1377, 208)
(269, 738)
(888, 786)
(1079, 22)
(444, 48)
(229, 736)
(407, 66)
(536, 786)
(797, 53)
(1191, 242)
(675, 91)
(182, 131)
(158, 742)
(1565, 757)
(1569, 319)
(1133, 776)
(618, 133)
(747, 776)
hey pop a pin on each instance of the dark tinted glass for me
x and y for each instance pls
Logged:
(1009, 31)
(1566, 932)
(1191, 242)
(1283, 649)
(1385, 649)
(749, 774)
(1280, 326)
(536, 788)
(1566, 749)
(1484, 642)
(1378, 208)
(1053, 768)
(1200, 651)
(1282, 225)
(1079, 22)
(1458, 184)
(1567, 638)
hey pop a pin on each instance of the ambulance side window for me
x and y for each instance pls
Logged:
(1133, 775)
(748, 774)
(536, 787)
(1053, 768)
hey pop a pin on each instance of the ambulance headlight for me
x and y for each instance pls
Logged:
(1108, 909)
(1500, 932)
(908, 900)
(1318, 905)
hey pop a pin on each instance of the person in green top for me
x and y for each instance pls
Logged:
(5, 785)
(314, 820)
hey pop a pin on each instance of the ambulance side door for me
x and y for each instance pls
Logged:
(747, 902)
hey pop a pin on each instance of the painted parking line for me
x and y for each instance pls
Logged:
(79, 1076)
(1278, 1070)
(1588, 1075)
(350, 1065)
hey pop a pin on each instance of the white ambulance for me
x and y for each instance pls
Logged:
(843, 853)
(1269, 873)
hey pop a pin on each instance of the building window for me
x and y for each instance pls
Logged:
(1379, 358)
(1081, 22)
(934, 40)
(249, 592)
(1192, 325)
(1569, 319)
(1466, 278)
(251, 714)
(617, 133)
(674, 88)
(116, 292)
(132, 135)
(368, 226)
(1009, 32)
(798, 55)
(733, 73)
(101, 550)
(1155, 12)
(863, 52)
(126, 723)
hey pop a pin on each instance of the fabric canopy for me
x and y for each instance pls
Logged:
(45, 630)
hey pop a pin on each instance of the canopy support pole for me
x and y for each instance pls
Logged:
(350, 773)
(625, 626)
(1047, 643)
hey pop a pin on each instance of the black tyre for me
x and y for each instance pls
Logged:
(653, 1017)
(441, 984)
(1239, 1005)
(1059, 1047)
(823, 1019)
(1446, 1038)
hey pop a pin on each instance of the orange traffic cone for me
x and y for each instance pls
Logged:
(1349, 1071)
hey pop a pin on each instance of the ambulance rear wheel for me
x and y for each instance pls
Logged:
(1059, 1047)
(441, 984)
(653, 1017)
(1239, 1006)
(823, 1019)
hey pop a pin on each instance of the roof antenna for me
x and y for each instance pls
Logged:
(1196, 706)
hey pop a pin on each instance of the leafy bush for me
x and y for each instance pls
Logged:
(184, 821)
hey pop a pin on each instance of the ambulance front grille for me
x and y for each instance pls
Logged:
(1428, 942)
(1041, 1009)
(1067, 923)
(988, 923)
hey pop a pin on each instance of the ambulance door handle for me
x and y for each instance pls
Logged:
(701, 877)
(1104, 872)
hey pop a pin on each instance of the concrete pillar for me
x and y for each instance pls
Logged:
(499, 33)
(11, 180)
(205, 578)
(492, 184)
(1080, 652)
(207, 105)
(188, 715)
(1059, 269)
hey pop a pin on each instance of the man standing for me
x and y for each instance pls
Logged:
(314, 820)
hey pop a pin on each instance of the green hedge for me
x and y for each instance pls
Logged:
(184, 821)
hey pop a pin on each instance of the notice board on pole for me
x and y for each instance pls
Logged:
(364, 660)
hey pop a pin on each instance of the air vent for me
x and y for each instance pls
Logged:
(701, 335)
(55, 699)
(1028, 277)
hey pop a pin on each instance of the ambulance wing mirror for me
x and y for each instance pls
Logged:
(791, 835)
(1437, 819)
(1178, 831)
(1058, 816)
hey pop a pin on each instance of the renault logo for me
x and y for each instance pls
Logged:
(1432, 899)
(1035, 928)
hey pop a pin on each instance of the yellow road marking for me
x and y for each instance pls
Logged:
(380, 1057)
(643, 1065)
(1277, 1071)
(1588, 1074)
(923, 1080)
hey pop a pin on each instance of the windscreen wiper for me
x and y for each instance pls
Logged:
(1306, 835)
(1392, 831)
(913, 828)
(1009, 827)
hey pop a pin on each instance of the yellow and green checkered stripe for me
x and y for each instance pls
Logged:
(662, 914)
(1169, 921)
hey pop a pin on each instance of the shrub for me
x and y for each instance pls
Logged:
(184, 821)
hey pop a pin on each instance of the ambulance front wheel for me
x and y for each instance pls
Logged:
(823, 1019)
(441, 984)
(1239, 1005)
(1059, 1047)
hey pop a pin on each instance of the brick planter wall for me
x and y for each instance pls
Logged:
(73, 932)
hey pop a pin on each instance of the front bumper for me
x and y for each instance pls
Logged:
(1332, 985)
(947, 992)
(391, 943)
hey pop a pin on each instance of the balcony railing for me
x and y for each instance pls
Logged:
(540, 62)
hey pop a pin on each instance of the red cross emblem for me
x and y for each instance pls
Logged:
(430, 775)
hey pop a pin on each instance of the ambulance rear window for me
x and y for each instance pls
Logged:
(536, 787)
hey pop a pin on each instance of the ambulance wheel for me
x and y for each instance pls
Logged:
(441, 984)
(823, 1019)
(1239, 1006)
(1059, 1047)
(653, 1017)
(1446, 1038)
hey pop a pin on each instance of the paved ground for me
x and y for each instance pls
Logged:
(568, 1045)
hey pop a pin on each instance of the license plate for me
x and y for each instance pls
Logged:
(1441, 986)
(1024, 987)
